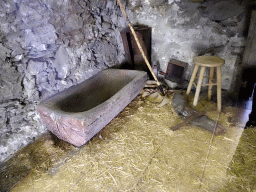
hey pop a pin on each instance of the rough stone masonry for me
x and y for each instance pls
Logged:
(47, 46)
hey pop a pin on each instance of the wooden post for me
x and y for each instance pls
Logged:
(249, 58)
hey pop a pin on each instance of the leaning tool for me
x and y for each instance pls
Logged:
(187, 120)
(140, 48)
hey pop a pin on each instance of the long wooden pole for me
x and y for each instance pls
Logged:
(140, 48)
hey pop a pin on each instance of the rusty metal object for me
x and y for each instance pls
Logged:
(187, 120)
(193, 117)
(175, 71)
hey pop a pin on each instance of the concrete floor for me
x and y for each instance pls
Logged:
(133, 155)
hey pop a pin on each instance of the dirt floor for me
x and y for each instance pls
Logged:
(137, 151)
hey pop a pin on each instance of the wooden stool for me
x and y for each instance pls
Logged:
(212, 62)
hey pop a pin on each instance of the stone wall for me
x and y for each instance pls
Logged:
(47, 46)
(183, 29)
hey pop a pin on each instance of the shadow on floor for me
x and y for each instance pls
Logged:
(47, 154)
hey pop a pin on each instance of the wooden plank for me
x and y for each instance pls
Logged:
(249, 58)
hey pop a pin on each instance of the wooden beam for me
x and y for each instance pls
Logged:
(249, 58)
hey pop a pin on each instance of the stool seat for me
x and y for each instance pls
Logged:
(211, 62)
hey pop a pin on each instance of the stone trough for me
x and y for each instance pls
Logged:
(78, 113)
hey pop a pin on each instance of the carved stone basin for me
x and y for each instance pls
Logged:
(76, 114)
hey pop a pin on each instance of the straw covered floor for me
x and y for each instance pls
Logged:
(137, 151)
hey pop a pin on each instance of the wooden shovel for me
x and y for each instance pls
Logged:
(140, 48)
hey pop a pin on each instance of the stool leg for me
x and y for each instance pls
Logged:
(219, 88)
(199, 84)
(192, 78)
(210, 83)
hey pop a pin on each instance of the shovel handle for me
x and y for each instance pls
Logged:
(138, 43)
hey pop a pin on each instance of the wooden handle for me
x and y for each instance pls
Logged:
(187, 120)
(138, 43)
(122, 8)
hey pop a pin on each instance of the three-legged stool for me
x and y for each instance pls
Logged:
(212, 62)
